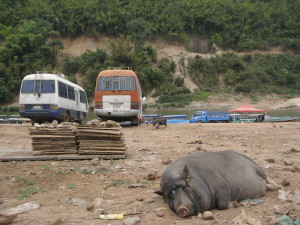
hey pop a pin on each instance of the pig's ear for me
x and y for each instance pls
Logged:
(186, 173)
(159, 192)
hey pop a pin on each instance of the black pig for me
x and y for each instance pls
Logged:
(199, 182)
(159, 122)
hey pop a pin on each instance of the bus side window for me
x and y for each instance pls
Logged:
(62, 90)
(71, 94)
(83, 97)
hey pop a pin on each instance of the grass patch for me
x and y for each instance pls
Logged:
(46, 167)
(116, 183)
(25, 181)
(143, 182)
(254, 99)
(101, 170)
(71, 186)
(28, 191)
(62, 172)
(85, 171)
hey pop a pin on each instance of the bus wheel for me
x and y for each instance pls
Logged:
(134, 121)
(81, 120)
(66, 117)
(103, 119)
(32, 122)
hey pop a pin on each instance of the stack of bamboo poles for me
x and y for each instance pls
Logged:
(101, 139)
(49, 140)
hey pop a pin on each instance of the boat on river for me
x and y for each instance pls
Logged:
(242, 114)
(13, 119)
(275, 119)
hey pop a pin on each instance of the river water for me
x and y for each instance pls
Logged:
(290, 112)
(189, 113)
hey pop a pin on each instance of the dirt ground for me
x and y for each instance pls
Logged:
(77, 192)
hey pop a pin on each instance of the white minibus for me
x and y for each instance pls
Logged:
(46, 97)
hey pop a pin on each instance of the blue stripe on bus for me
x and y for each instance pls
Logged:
(51, 114)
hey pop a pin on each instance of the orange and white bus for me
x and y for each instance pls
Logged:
(118, 96)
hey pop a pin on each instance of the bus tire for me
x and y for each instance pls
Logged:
(82, 119)
(32, 122)
(135, 121)
(66, 117)
(103, 119)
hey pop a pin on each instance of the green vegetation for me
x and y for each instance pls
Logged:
(86, 171)
(242, 25)
(30, 32)
(71, 186)
(62, 172)
(257, 73)
(12, 108)
(143, 182)
(25, 181)
(28, 191)
(47, 167)
(25, 48)
(115, 183)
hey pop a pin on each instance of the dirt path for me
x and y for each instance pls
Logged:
(67, 190)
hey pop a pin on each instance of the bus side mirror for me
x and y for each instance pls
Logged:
(144, 99)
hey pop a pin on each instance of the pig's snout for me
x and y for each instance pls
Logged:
(184, 211)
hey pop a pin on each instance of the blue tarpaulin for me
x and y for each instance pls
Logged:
(285, 220)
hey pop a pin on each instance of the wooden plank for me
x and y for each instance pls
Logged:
(59, 157)
(101, 153)
(52, 136)
(86, 140)
(100, 148)
(97, 128)
(111, 132)
(53, 131)
(99, 137)
(46, 148)
(54, 144)
(55, 150)
(53, 153)
(101, 142)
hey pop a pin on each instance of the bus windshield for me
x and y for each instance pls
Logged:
(116, 83)
(38, 86)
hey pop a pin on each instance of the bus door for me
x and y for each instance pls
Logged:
(76, 97)
(77, 104)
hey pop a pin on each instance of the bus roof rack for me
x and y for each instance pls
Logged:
(55, 73)
(119, 68)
